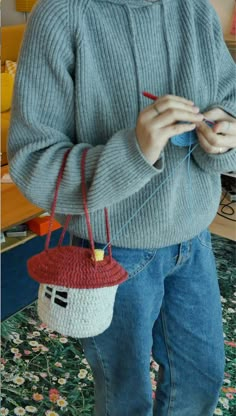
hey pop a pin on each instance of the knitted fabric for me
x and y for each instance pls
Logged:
(73, 267)
(186, 139)
(85, 313)
(79, 293)
(81, 72)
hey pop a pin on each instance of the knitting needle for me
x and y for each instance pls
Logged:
(154, 97)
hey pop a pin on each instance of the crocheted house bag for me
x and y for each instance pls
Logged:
(77, 285)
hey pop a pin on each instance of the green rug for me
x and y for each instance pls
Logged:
(46, 374)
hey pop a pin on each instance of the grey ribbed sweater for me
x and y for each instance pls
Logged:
(82, 68)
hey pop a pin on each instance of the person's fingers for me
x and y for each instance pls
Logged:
(175, 115)
(216, 140)
(172, 102)
(169, 131)
(169, 98)
(157, 110)
(157, 123)
(167, 102)
(216, 114)
(204, 143)
(225, 127)
(177, 129)
(176, 105)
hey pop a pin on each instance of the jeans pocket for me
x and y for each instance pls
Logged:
(133, 260)
(205, 239)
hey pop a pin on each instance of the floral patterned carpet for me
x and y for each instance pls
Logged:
(44, 373)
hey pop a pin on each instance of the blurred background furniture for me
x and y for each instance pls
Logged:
(11, 41)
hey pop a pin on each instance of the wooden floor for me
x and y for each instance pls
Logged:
(225, 226)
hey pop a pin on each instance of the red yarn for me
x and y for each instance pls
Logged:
(73, 267)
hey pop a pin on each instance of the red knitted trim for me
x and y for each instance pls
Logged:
(72, 267)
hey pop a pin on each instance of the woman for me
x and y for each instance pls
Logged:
(81, 72)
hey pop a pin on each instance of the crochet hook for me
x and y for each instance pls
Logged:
(154, 97)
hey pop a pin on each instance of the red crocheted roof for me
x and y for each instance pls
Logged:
(73, 267)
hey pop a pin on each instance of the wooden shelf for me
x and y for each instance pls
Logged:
(12, 242)
(16, 209)
(230, 40)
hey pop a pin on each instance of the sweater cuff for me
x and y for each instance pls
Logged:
(158, 166)
(216, 163)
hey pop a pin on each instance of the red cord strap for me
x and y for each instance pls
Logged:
(55, 201)
(68, 218)
(84, 196)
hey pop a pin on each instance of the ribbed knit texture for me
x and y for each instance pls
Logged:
(82, 69)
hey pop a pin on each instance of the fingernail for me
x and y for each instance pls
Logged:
(192, 126)
(196, 109)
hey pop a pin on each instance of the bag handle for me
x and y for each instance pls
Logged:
(68, 218)
(84, 196)
(48, 239)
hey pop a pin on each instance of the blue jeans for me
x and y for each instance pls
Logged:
(169, 305)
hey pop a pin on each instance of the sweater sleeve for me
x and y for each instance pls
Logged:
(42, 126)
(225, 99)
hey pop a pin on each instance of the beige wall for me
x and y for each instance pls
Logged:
(9, 16)
(225, 10)
(223, 7)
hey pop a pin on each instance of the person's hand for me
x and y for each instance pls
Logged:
(156, 123)
(222, 136)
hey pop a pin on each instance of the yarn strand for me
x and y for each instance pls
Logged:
(148, 199)
(109, 241)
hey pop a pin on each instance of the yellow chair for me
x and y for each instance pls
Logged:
(11, 42)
